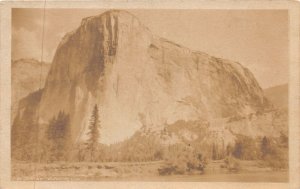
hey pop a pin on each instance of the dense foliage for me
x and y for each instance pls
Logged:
(187, 154)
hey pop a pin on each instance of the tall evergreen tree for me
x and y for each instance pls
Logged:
(58, 135)
(214, 152)
(94, 135)
(265, 147)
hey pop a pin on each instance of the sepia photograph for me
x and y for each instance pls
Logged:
(149, 95)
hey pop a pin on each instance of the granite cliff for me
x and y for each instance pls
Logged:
(140, 80)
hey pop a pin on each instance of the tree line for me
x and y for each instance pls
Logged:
(57, 145)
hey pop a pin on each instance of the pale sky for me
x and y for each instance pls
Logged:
(258, 39)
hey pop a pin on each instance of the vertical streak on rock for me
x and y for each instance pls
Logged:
(116, 34)
(117, 91)
(131, 25)
(109, 29)
(197, 62)
(163, 59)
(112, 28)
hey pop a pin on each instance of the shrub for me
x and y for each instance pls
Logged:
(232, 164)
(167, 170)
(182, 160)
(277, 158)
(276, 163)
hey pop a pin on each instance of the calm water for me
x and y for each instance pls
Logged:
(231, 177)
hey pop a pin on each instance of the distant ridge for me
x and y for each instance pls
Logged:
(26, 75)
(278, 95)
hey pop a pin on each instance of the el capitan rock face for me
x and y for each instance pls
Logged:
(139, 79)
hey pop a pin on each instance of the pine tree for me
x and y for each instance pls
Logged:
(94, 135)
(265, 147)
(214, 152)
(229, 149)
(58, 135)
